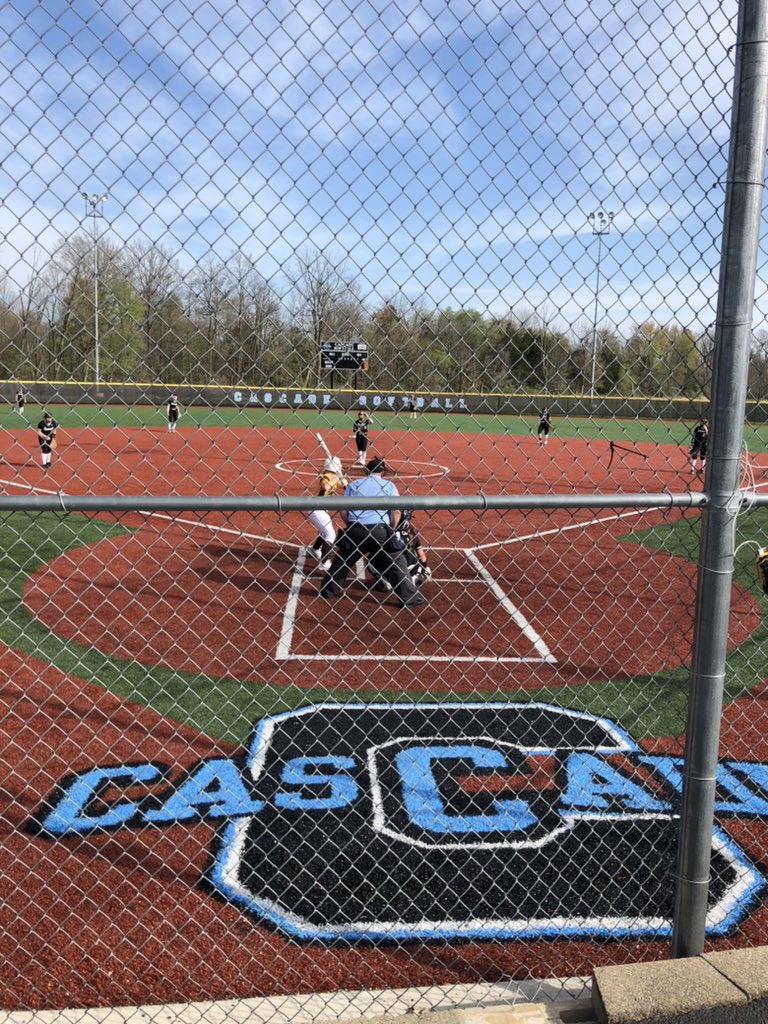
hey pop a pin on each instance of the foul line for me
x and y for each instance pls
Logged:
(195, 523)
(514, 613)
(289, 613)
(562, 529)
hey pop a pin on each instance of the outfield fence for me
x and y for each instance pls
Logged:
(257, 745)
(313, 399)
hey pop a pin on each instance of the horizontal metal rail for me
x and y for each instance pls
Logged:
(62, 502)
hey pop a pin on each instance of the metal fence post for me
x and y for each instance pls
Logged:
(736, 293)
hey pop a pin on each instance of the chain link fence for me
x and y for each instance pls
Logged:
(280, 727)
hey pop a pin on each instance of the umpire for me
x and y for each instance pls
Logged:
(369, 532)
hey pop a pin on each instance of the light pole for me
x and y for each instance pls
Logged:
(601, 225)
(93, 205)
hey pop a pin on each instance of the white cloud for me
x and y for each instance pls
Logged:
(456, 146)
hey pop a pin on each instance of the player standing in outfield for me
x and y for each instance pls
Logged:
(330, 480)
(698, 449)
(172, 411)
(360, 431)
(46, 438)
(412, 408)
(545, 425)
(20, 400)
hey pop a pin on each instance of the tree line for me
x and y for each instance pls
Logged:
(222, 323)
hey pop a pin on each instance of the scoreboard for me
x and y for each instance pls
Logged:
(344, 355)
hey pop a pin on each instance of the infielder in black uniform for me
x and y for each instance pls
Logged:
(545, 425)
(698, 449)
(360, 429)
(46, 438)
(172, 411)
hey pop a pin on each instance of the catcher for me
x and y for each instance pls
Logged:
(415, 555)
(329, 481)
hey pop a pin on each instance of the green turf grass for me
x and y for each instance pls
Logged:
(227, 708)
(623, 431)
(223, 708)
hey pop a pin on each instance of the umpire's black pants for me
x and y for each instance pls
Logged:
(373, 542)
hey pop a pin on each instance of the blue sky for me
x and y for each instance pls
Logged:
(448, 153)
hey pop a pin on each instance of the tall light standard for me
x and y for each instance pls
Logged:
(601, 225)
(93, 205)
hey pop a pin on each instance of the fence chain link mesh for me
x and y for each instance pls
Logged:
(271, 753)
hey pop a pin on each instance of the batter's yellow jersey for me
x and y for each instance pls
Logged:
(328, 483)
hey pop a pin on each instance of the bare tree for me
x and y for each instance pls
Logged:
(157, 283)
(325, 304)
(252, 324)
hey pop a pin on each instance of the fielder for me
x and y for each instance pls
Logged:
(172, 413)
(698, 449)
(46, 438)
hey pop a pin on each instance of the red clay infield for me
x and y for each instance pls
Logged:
(528, 599)
(523, 600)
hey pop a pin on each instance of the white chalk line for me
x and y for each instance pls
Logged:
(474, 659)
(285, 640)
(289, 612)
(513, 611)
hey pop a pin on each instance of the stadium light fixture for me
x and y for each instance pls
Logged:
(601, 225)
(93, 204)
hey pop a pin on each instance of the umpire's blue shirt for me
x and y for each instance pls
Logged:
(372, 486)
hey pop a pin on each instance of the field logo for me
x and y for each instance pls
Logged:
(412, 821)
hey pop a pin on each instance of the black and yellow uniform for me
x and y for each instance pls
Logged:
(360, 429)
(415, 555)
(328, 483)
(46, 437)
(545, 425)
(173, 409)
(699, 440)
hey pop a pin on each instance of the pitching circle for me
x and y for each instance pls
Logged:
(404, 469)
